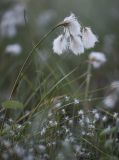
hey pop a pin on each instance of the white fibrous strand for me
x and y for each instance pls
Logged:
(97, 59)
(60, 44)
(73, 25)
(89, 38)
(76, 45)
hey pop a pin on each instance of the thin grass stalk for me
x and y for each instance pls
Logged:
(28, 57)
(88, 79)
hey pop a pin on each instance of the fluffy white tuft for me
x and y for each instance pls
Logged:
(60, 44)
(74, 38)
(115, 86)
(113, 95)
(110, 101)
(73, 25)
(89, 38)
(14, 49)
(97, 59)
(76, 45)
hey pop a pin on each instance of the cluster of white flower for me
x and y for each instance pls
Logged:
(75, 37)
(97, 59)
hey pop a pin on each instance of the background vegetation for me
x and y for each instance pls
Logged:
(45, 119)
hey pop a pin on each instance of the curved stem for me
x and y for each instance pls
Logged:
(28, 57)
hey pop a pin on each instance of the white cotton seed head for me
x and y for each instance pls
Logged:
(110, 101)
(97, 59)
(74, 38)
(60, 44)
(97, 116)
(11, 19)
(113, 95)
(115, 86)
(115, 115)
(14, 49)
(76, 101)
(76, 45)
(89, 38)
(73, 25)
(81, 112)
(104, 118)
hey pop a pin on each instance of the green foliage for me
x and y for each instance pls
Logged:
(12, 104)
(56, 115)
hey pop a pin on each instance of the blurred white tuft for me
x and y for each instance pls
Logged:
(11, 19)
(97, 59)
(14, 49)
(113, 95)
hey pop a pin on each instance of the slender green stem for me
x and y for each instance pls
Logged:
(28, 57)
(98, 149)
(40, 101)
(37, 106)
(88, 78)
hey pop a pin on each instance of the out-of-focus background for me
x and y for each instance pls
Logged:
(24, 22)
(54, 112)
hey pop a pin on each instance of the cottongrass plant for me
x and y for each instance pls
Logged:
(56, 121)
